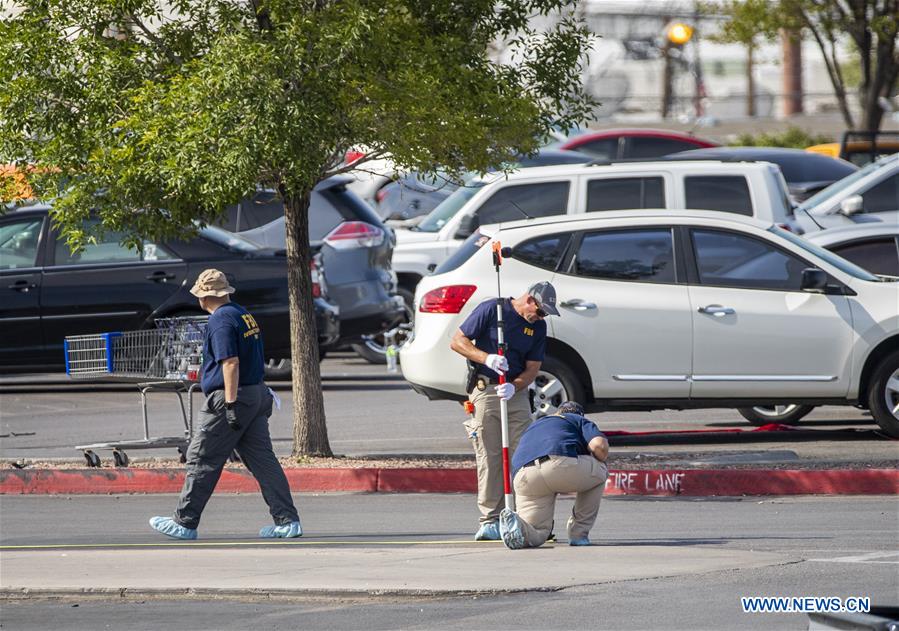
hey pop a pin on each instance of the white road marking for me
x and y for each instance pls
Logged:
(871, 557)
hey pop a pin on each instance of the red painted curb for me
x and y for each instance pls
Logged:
(685, 482)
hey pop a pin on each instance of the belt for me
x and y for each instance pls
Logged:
(535, 462)
(488, 380)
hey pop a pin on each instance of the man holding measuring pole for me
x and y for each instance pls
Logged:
(508, 359)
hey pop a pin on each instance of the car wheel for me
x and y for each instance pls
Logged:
(883, 394)
(555, 383)
(373, 349)
(789, 414)
(280, 369)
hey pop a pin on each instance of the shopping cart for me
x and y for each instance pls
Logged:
(166, 358)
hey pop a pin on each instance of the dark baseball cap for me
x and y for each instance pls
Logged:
(545, 295)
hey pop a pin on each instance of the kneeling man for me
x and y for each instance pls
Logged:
(562, 453)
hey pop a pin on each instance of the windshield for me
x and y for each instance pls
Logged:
(840, 263)
(838, 186)
(228, 239)
(449, 207)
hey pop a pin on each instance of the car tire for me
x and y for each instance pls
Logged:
(883, 394)
(555, 383)
(782, 414)
(281, 370)
(372, 349)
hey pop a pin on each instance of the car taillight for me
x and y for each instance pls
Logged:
(355, 234)
(448, 299)
(315, 273)
(353, 155)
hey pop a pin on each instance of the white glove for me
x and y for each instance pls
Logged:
(505, 391)
(497, 363)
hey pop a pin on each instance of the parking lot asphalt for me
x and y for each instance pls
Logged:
(683, 561)
(374, 413)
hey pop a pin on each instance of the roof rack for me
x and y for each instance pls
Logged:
(607, 162)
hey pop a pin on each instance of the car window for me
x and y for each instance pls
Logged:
(471, 245)
(252, 212)
(108, 249)
(323, 217)
(647, 147)
(878, 256)
(631, 255)
(838, 186)
(447, 209)
(727, 193)
(601, 148)
(816, 250)
(513, 203)
(19, 243)
(544, 251)
(882, 197)
(730, 259)
(624, 193)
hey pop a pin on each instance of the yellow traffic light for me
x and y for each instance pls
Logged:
(679, 33)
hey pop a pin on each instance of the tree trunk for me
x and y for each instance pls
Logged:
(310, 432)
(750, 81)
(791, 47)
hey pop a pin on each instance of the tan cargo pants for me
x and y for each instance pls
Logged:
(536, 488)
(485, 434)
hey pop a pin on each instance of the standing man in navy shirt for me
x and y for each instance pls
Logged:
(525, 336)
(561, 453)
(234, 416)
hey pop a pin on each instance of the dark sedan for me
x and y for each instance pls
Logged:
(806, 173)
(48, 293)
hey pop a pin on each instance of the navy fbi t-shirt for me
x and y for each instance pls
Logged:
(524, 341)
(557, 435)
(232, 332)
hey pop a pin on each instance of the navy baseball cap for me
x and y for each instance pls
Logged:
(545, 296)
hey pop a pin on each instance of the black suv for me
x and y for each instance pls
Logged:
(48, 293)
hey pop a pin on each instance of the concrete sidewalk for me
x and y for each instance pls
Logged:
(305, 568)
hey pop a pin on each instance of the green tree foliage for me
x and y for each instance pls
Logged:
(870, 26)
(154, 115)
(793, 137)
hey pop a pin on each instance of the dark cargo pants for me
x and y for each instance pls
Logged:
(214, 440)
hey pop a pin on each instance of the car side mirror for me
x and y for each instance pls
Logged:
(467, 226)
(813, 280)
(852, 205)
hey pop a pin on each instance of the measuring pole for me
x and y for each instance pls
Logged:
(503, 404)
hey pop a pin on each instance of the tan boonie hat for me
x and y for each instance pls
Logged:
(211, 282)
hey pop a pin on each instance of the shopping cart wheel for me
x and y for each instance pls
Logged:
(120, 457)
(93, 460)
(182, 455)
(234, 457)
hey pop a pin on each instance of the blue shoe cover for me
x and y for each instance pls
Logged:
(488, 531)
(286, 531)
(510, 530)
(583, 541)
(170, 528)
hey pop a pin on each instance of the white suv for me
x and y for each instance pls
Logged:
(686, 309)
(754, 189)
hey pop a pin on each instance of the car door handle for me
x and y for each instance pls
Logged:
(578, 305)
(160, 276)
(717, 310)
(23, 286)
